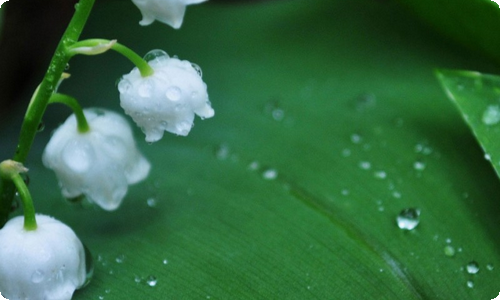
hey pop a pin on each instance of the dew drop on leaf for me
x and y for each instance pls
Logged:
(449, 251)
(472, 267)
(491, 115)
(270, 174)
(151, 280)
(408, 218)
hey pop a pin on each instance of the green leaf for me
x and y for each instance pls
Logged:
(329, 122)
(478, 99)
(472, 23)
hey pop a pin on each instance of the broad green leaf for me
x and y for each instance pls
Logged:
(328, 123)
(478, 98)
(473, 23)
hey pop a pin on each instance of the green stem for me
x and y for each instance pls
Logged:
(83, 125)
(40, 100)
(138, 61)
(29, 209)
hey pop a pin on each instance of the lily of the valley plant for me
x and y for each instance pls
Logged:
(93, 153)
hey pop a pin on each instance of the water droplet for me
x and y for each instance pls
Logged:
(366, 101)
(418, 165)
(89, 266)
(66, 68)
(449, 251)
(120, 258)
(173, 93)
(101, 297)
(197, 69)
(165, 261)
(254, 166)
(380, 174)
(487, 157)
(345, 192)
(137, 279)
(470, 284)
(222, 152)
(155, 54)
(37, 276)
(355, 138)
(278, 114)
(270, 174)
(146, 88)
(396, 194)
(489, 267)
(152, 202)
(365, 165)
(346, 152)
(124, 86)
(107, 291)
(41, 127)
(151, 280)
(491, 115)
(472, 267)
(408, 218)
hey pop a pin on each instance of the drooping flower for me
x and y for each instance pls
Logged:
(170, 12)
(100, 163)
(45, 263)
(166, 100)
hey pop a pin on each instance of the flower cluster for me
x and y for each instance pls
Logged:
(93, 153)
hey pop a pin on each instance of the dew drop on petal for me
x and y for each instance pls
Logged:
(145, 89)
(489, 267)
(355, 138)
(173, 93)
(197, 69)
(165, 262)
(37, 276)
(365, 165)
(470, 284)
(124, 86)
(155, 54)
(472, 267)
(408, 218)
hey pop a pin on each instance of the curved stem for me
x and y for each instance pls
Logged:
(29, 209)
(41, 98)
(83, 125)
(138, 61)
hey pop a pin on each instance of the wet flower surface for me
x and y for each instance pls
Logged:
(170, 12)
(45, 263)
(167, 100)
(100, 163)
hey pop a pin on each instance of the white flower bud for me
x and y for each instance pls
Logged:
(170, 12)
(166, 100)
(45, 263)
(100, 163)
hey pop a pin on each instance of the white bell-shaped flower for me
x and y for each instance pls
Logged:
(45, 263)
(170, 12)
(166, 100)
(100, 163)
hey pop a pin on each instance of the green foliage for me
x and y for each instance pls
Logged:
(473, 23)
(330, 95)
(478, 98)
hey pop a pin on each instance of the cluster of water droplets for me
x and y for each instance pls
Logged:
(166, 100)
